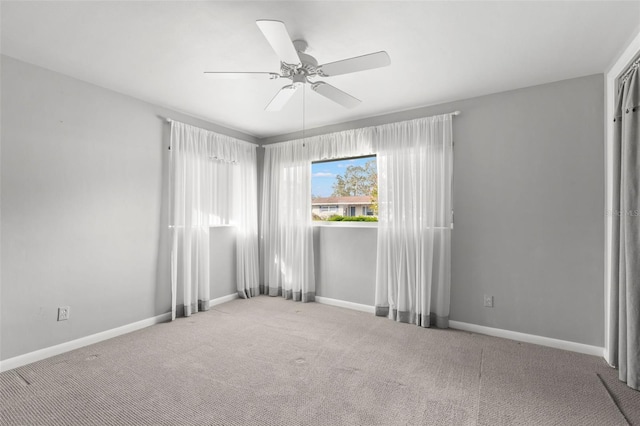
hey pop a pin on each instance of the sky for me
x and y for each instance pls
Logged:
(324, 174)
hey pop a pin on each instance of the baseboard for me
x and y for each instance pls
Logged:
(28, 358)
(344, 304)
(481, 329)
(223, 299)
(41, 354)
(529, 338)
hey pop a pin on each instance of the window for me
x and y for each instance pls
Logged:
(344, 188)
(366, 211)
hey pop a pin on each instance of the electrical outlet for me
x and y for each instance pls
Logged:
(64, 313)
(488, 301)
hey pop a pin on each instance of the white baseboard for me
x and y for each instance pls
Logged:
(223, 299)
(28, 358)
(481, 329)
(528, 338)
(344, 304)
(41, 354)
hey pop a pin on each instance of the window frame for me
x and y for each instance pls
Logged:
(347, 209)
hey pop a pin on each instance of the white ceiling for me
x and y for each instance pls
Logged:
(440, 51)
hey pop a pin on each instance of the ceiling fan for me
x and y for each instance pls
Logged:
(300, 67)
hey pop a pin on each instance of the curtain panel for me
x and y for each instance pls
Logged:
(413, 271)
(245, 219)
(346, 144)
(212, 183)
(286, 233)
(286, 227)
(414, 231)
(624, 296)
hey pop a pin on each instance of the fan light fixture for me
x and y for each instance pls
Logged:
(299, 67)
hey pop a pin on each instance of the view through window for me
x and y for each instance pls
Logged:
(345, 190)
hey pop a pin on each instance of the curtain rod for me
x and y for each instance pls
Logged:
(451, 113)
(171, 120)
(627, 72)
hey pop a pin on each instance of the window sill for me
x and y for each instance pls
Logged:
(323, 224)
(327, 224)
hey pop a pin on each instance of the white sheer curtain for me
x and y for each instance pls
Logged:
(213, 183)
(287, 236)
(414, 230)
(414, 220)
(345, 144)
(245, 218)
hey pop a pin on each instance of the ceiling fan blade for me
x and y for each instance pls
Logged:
(282, 97)
(359, 63)
(335, 94)
(276, 34)
(241, 75)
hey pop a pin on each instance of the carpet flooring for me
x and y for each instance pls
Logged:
(267, 361)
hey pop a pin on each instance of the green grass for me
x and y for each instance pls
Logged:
(338, 218)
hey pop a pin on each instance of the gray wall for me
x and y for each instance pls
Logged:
(222, 261)
(84, 220)
(529, 203)
(529, 206)
(345, 259)
(84, 211)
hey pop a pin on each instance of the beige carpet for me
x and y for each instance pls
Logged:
(267, 361)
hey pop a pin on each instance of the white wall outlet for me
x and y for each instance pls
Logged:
(63, 313)
(488, 301)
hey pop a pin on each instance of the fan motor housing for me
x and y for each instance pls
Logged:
(308, 61)
(299, 77)
(307, 68)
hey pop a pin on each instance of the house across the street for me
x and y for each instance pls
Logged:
(343, 206)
